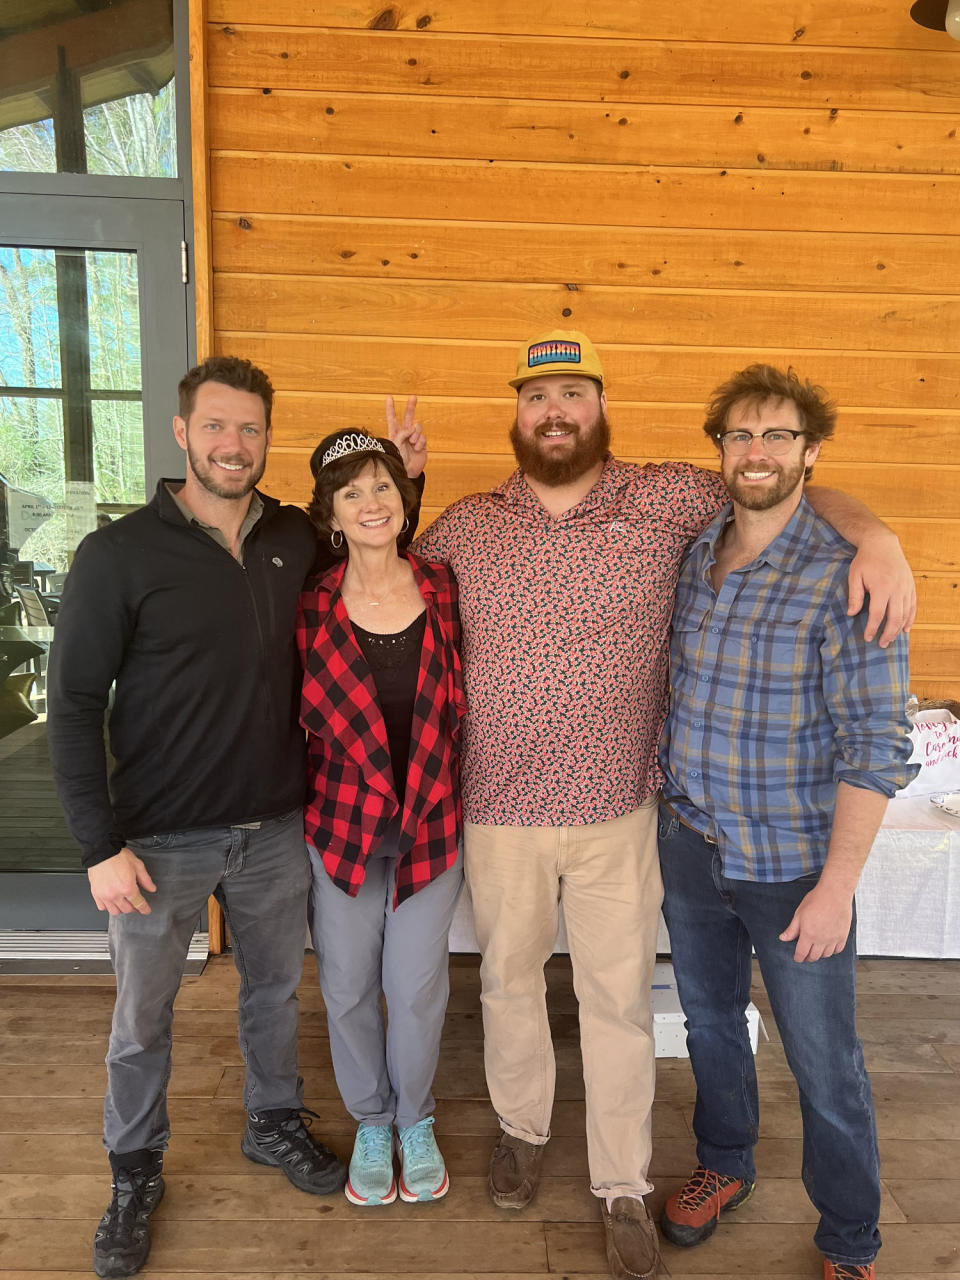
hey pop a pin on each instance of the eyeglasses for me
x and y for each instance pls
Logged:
(776, 442)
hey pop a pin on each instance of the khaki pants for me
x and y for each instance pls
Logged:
(607, 876)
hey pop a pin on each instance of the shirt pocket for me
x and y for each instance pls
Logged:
(688, 628)
(777, 643)
(777, 666)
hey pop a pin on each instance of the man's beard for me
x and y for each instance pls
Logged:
(208, 479)
(590, 447)
(763, 499)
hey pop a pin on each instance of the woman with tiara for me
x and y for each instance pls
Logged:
(382, 704)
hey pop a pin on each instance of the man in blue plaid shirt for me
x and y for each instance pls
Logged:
(786, 737)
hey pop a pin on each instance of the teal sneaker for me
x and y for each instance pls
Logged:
(423, 1175)
(370, 1180)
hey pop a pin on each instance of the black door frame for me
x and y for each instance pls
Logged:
(152, 217)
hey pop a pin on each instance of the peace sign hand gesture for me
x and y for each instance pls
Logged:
(407, 436)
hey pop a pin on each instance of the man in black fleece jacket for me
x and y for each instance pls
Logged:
(189, 606)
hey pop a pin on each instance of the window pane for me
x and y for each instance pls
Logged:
(118, 453)
(135, 136)
(113, 305)
(29, 325)
(71, 416)
(71, 459)
(28, 148)
(33, 834)
(31, 461)
(88, 88)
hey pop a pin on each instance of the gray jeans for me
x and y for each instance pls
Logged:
(363, 946)
(260, 875)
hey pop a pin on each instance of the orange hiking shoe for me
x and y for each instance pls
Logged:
(691, 1214)
(849, 1270)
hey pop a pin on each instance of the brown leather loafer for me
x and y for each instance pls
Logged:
(514, 1172)
(633, 1251)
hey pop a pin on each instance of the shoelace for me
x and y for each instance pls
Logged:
(702, 1185)
(373, 1139)
(304, 1117)
(129, 1192)
(417, 1143)
(300, 1144)
(294, 1125)
(848, 1271)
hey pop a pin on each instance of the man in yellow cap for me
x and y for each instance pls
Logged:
(567, 574)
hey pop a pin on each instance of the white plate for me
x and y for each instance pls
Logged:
(948, 801)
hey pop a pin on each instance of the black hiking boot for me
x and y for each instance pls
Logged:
(122, 1240)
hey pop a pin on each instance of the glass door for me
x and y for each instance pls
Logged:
(93, 340)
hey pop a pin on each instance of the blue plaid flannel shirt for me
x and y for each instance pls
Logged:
(776, 697)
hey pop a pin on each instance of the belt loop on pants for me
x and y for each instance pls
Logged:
(689, 825)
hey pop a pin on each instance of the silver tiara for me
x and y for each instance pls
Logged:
(355, 442)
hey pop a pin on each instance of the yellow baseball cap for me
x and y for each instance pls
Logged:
(559, 351)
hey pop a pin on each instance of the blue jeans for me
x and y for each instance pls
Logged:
(712, 922)
(260, 876)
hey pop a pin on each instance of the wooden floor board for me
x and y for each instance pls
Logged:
(37, 1080)
(225, 1219)
(154, 1273)
(30, 806)
(739, 1274)
(927, 1199)
(323, 1244)
(263, 1194)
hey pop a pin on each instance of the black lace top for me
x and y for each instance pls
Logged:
(394, 662)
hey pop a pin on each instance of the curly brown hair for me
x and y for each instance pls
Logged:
(758, 383)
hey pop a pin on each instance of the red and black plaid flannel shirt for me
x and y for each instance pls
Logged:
(350, 793)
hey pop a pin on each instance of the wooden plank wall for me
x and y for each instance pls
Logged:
(402, 193)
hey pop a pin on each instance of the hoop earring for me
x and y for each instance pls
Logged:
(337, 534)
(406, 524)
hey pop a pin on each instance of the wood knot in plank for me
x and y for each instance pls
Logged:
(386, 20)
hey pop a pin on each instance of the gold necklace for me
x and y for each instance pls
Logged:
(353, 596)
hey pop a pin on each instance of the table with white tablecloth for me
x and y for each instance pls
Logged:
(908, 900)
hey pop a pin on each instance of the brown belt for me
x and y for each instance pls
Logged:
(689, 825)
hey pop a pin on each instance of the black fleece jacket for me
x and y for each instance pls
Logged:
(204, 726)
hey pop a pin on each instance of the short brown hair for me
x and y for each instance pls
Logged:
(233, 372)
(758, 383)
(338, 473)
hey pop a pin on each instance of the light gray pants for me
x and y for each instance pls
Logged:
(385, 1076)
(261, 878)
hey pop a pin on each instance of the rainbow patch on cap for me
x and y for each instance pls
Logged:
(553, 353)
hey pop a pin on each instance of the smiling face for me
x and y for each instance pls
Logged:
(754, 479)
(226, 439)
(561, 430)
(369, 510)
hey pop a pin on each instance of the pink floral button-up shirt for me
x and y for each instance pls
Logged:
(566, 639)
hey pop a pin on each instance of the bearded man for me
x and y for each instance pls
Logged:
(189, 606)
(787, 734)
(567, 573)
